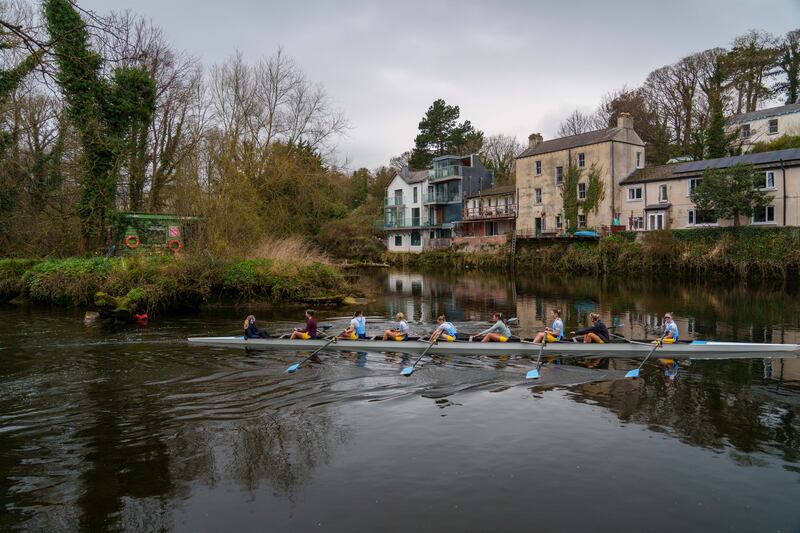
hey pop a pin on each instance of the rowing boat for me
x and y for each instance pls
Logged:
(627, 349)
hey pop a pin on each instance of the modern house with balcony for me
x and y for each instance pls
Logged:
(488, 217)
(422, 207)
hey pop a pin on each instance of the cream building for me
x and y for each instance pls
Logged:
(657, 197)
(765, 125)
(615, 153)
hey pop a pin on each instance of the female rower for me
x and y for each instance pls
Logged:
(597, 332)
(446, 330)
(251, 331)
(401, 332)
(670, 330)
(554, 333)
(499, 332)
(308, 332)
(357, 328)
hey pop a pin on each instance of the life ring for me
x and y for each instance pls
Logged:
(132, 242)
(172, 246)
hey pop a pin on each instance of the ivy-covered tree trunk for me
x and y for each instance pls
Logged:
(105, 113)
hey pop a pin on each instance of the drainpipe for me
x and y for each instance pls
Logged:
(783, 170)
(613, 187)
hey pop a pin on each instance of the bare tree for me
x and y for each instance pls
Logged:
(577, 122)
(499, 153)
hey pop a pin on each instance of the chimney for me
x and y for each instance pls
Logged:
(625, 121)
(404, 171)
(534, 139)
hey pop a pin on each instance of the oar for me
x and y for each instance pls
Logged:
(533, 373)
(292, 369)
(407, 371)
(635, 372)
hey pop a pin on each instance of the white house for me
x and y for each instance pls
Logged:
(765, 125)
(404, 217)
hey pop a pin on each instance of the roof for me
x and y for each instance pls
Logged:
(574, 141)
(505, 189)
(765, 113)
(414, 176)
(692, 168)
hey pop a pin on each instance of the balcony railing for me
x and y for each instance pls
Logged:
(444, 172)
(405, 223)
(394, 201)
(483, 213)
(441, 198)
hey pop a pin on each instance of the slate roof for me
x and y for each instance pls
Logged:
(765, 113)
(505, 189)
(572, 141)
(790, 157)
(415, 176)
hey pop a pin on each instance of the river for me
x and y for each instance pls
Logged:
(120, 427)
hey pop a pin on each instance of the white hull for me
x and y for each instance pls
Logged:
(688, 350)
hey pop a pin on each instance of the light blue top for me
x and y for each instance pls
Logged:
(403, 328)
(448, 329)
(499, 327)
(359, 324)
(558, 328)
(671, 330)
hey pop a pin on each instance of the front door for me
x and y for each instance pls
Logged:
(656, 221)
(539, 226)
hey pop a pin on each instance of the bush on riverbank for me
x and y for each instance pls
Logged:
(165, 282)
(744, 252)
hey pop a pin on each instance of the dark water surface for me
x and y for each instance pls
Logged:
(117, 427)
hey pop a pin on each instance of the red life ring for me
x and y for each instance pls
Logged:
(175, 249)
(132, 242)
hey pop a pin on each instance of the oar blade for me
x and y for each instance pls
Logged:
(407, 371)
(533, 373)
(632, 373)
(292, 369)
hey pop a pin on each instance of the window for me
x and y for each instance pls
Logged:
(559, 175)
(432, 235)
(537, 196)
(559, 225)
(581, 191)
(634, 194)
(662, 193)
(692, 183)
(696, 217)
(538, 165)
(398, 240)
(415, 195)
(639, 160)
(581, 221)
(581, 160)
(637, 223)
(769, 180)
(744, 132)
(415, 216)
(416, 238)
(773, 126)
(764, 215)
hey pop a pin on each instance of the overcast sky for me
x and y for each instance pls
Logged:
(514, 67)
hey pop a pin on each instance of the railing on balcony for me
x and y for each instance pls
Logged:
(394, 201)
(444, 172)
(405, 223)
(441, 198)
(483, 213)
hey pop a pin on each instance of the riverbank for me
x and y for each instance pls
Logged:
(122, 285)
(746, 252)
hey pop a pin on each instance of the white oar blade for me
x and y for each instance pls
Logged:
(532, 374)
(292, 369)
(632, 373)
(407, 371)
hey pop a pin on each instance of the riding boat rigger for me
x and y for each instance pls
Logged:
(683, 349)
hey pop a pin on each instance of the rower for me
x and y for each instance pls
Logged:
(357, 328)
(554, 333)
(401, 332)
(251, 331)
(308, 332)
(499, 332)
(446, 330)
(597, 332)
(670, 330)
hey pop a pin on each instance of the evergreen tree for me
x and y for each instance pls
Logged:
(441, 134)
(730, 192)
(789, 64)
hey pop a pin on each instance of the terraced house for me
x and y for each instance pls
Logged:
(421, 208)
(613, 153)
(658, 197)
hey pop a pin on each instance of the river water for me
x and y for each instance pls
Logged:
(121, 427)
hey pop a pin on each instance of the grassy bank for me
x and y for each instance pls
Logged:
(749, 252)
(165, 283)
